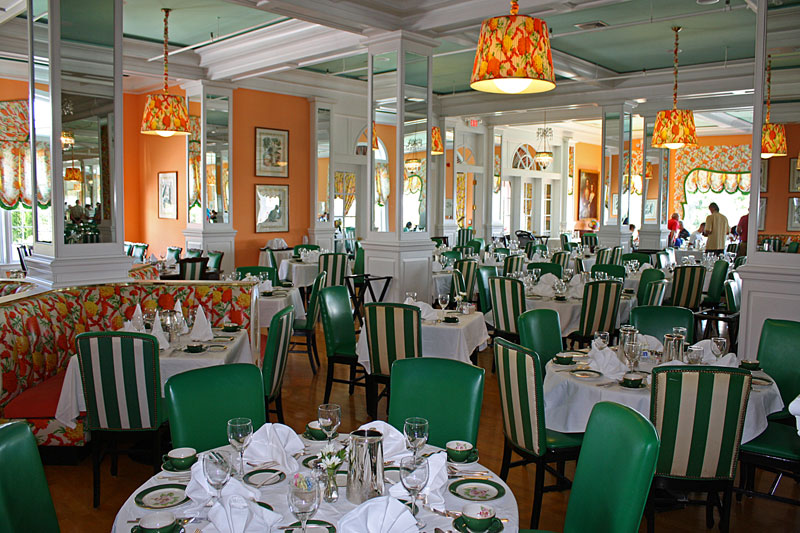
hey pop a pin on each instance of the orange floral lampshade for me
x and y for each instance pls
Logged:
(165, 115)
(374, 136)
(648, 173)
(437, 148)
(773, 140)
(72, 174)
(674, 129)
(513, 56)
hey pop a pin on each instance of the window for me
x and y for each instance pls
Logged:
(548, 206)
(506, 195)
(16, 227)
(527, 206)
(523, 158)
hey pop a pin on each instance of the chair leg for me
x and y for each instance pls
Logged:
(352, 386)
(314, 346)
(725, 512)
(329, 381)
(266, 408)
(372, 398)
(279, 409)
(114, 456)
(742, 480)
(650, 513)
(96, 458)
(561, 481)
(506, 460)
(156, 451)
(308, 335)
(538, 493)
(711, 500)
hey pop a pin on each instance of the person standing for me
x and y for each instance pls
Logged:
(741, 229)
(672, 226)
(717, 229)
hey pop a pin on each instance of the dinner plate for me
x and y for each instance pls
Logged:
(216, 348)
(477, 490)
(461, 525)
(312, 526)
(392, 473)
(265, 505)
(162, 496)
(223, 338)
(306, 435)
(586, 374)
(256, 477)
(167, 466)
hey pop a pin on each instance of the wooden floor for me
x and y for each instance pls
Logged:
(302, 392)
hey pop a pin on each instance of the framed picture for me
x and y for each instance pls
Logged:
(794, 176)
(614, 205)
(272, 153)
(589, 189)
(794, 214)
(650, 209)
(762, 211)
(764, 174)
(272, 208)
(168, 195)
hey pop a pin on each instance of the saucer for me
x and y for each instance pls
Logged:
(472, 458)
(461, 525)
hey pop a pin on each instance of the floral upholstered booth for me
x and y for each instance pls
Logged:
(14, 286)
(145, 271)
(37, 337)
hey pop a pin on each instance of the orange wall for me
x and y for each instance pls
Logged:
(778, 194)
(587, 157)
(13, 90)
(322, 180)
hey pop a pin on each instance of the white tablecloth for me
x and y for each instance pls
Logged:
(280, 255)
(632, 282)
(301, 274)
(269, 306)
(568, 401)
(448, 341)
(275, 495)
(71, 402)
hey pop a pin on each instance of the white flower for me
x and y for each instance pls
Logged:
(331, 463)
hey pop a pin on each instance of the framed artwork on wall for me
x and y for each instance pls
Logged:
(272, 208)
(168, 195)
(794, 214)
(762, 211)
(614, 205)
(272, 153)
(764, 174)
(650, 209)
(589, 189)
(794, 176)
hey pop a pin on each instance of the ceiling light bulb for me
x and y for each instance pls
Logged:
(512, 85)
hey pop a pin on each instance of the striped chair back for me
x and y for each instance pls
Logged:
(739, 261)
(335, 266)
(464, 236)
(561, 258)
(564, 241)
(194, 252)
(775, 243)
(716, 285)
(599, 306)
(91, 236)
(271, 259)
(174, 252)
(519, 374)
(637, 256)
(733, 296)
(603, 256)
(616, 255)
(193, 268)
(215, 260)
(457, 285)
(476, 245)
(654, 293)
(645, 278)
(298, 247)
(393, 332)
(589, 239)
(513, 263)
(276, 351)
(578, 265)
(121, 380)
(469, 270)
(670, 255)
(698, 412)
(732, 247)
(547, 268)
(439, 241)
(531, 249)
(614, 271)
(451, 256)
(662, 260)
(312, 313)
(140, 251)
(687, 286)
(484, 295)
(127, 248)
(257, 271)
(508, 302)
(463, 250)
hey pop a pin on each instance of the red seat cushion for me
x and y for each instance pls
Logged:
(40, 401)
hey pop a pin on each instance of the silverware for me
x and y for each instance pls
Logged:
(266, 464)
(269, 478)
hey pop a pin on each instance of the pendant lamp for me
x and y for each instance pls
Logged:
(674, 127)
(437, 148)
(165, 114)
(544, 157)
(73, 174)
(773, 136)
(513, 56)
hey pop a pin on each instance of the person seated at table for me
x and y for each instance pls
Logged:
(408, 226)
(696, 239)
(682, 235)
(634, 236)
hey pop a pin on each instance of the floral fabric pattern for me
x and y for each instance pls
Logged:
(144, 272)
(165, 112)
(719, 159)
(674, 126)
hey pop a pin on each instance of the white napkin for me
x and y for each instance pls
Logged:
(170, 261)
(644, 267)
(575, 291)
(200, 492)
(606, 362)
(538, 258)
(128, 326)
(543, 289)
(794, 409)
(426, 311)
(179, 310)
(437, 479)
(265, 286)
(158, 333)
(548, 279)
(710, 359)
(576, 281)
(275, 442)
(394, 442)
(201, 331)
(235, 514)
(379, 515)
(436, 266)
(652, 343)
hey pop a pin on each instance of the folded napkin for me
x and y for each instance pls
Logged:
(538, 258)
(437, 480)
(548, 279)
(394, 442)
(201, 331)
(277, 244)
(158, 333)
(275, 442)
(179, 310)
(128, 326)
(235, 514)
(576, 281)
(200, 492)
(710, 359)
(652, 343)
(379, 515)
(137, 319)
(644, 267)
(426, 311)
(265, 286)
(543, 289)
(606, 362)
(436, 266)
(575, 291)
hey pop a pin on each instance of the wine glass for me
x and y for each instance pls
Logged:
(217, 468)
(303, 498)
(632, 351)
(444, 300)
(412, 295)
(719, 346)
(601, 339)
(240, 432)
(416, 431)
(329, 416)
(694, 355)
(414, 477)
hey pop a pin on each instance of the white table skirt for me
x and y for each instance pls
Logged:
(447, 341)
(275, 495)
(569, 401)
(71, 402)
(280, 255)
(301, 274)
(269, 306)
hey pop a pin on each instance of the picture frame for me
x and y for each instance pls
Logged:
(168, 195)
(614, 205)
(272, 208)
(762, 211)
(764, 174)
(650, 207)
(272, 153)
(793, 222)
(794, 176)
(589, 194)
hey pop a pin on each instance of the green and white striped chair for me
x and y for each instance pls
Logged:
(484, 296)
(439, 241)
(276, 353)
(519, 376)
(598, 310)
(271, 261)
(604, 256)
(716, 285)
(174, 252)
(502, 252)
(476, 245)
(578, 263)
(296, 249)
(457, 284)
(393, 332)
(561, 258)
(739, 261)
(140, 251)
(645, 278)
(335, 266)
(469, 271)
(340, 338)
(589, 239)
(193, 268)
(565, 242)
(215, 260)
(127, 248)
(614, 271)
(636, 256)
(698, 413)
(616, 255)
(508, 303)
(654, 293)
(513, 263)
(547, 268)
(306, 327)
(450, 257)
(464, 236)
(531, 248)
(463, 250)
(244, 271)
(662, 260)
(194, 252)
(122, 387)
(687, 286)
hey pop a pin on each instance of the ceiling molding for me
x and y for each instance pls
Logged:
(11, 9)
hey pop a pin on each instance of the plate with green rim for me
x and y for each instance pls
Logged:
(223, 338)
(310, 461)
(477, 490)
(167, 466)
(461, 525)
(294, 528)
(162, 496)
(216, 348)
(392, 473)
(306, 435)
(641, 385)
(255, 477)
(586, 373)
(177, 528)
(200, 349)
(265, 505)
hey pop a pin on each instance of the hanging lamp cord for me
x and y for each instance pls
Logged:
(166, 51)
(676, 29)
(769, 84)
(514, 7)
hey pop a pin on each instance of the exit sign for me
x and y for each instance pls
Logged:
(473, 123)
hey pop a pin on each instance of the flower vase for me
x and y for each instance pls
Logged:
(331, 492)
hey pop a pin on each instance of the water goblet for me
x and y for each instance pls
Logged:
(240, 433)
(537, 273)
(414, 476)
(694, 355)
(719, 346)
(632, 352)
(217, 468)
(601, 339)
(412, 295)
(303, 498)
(329, 416)
(415, 429)
(444, 300)
(678, 330)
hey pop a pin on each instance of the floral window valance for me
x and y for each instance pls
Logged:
(195, 159)
(16, 179)
(715, 168)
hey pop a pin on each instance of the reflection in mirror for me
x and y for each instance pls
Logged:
(610, 166)
(497, 198)
(415, 142)
(217, 163)
(449, 186)
(43, 129)
(323, 163)
(384, 120)
(195, 157)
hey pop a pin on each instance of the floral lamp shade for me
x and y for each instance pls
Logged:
(773, 140)
(513, 56)
(674, 129)
(165, 115)
(437, 148)
(73, 174)
(374, 136)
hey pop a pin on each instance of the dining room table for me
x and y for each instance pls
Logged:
(299, 272)
(280, 255)
(225, 348)
(272, 302)
(499, 496)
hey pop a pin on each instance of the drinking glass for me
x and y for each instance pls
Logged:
(537, 273)
(601, 339)
(694, 355)
(415, 429)
(632, 351)
(719, 346)
(627, 334)
(412, 295)
(414, 477)
(677, 330)
(568, 274)
(329, 416)
(444, 300)
(303, 499)
(240, 433)
(217, 468)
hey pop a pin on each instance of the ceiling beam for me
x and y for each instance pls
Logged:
(11, 9)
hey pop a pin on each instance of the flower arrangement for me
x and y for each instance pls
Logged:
(331, 458)
(303, 482)
(593, 224)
